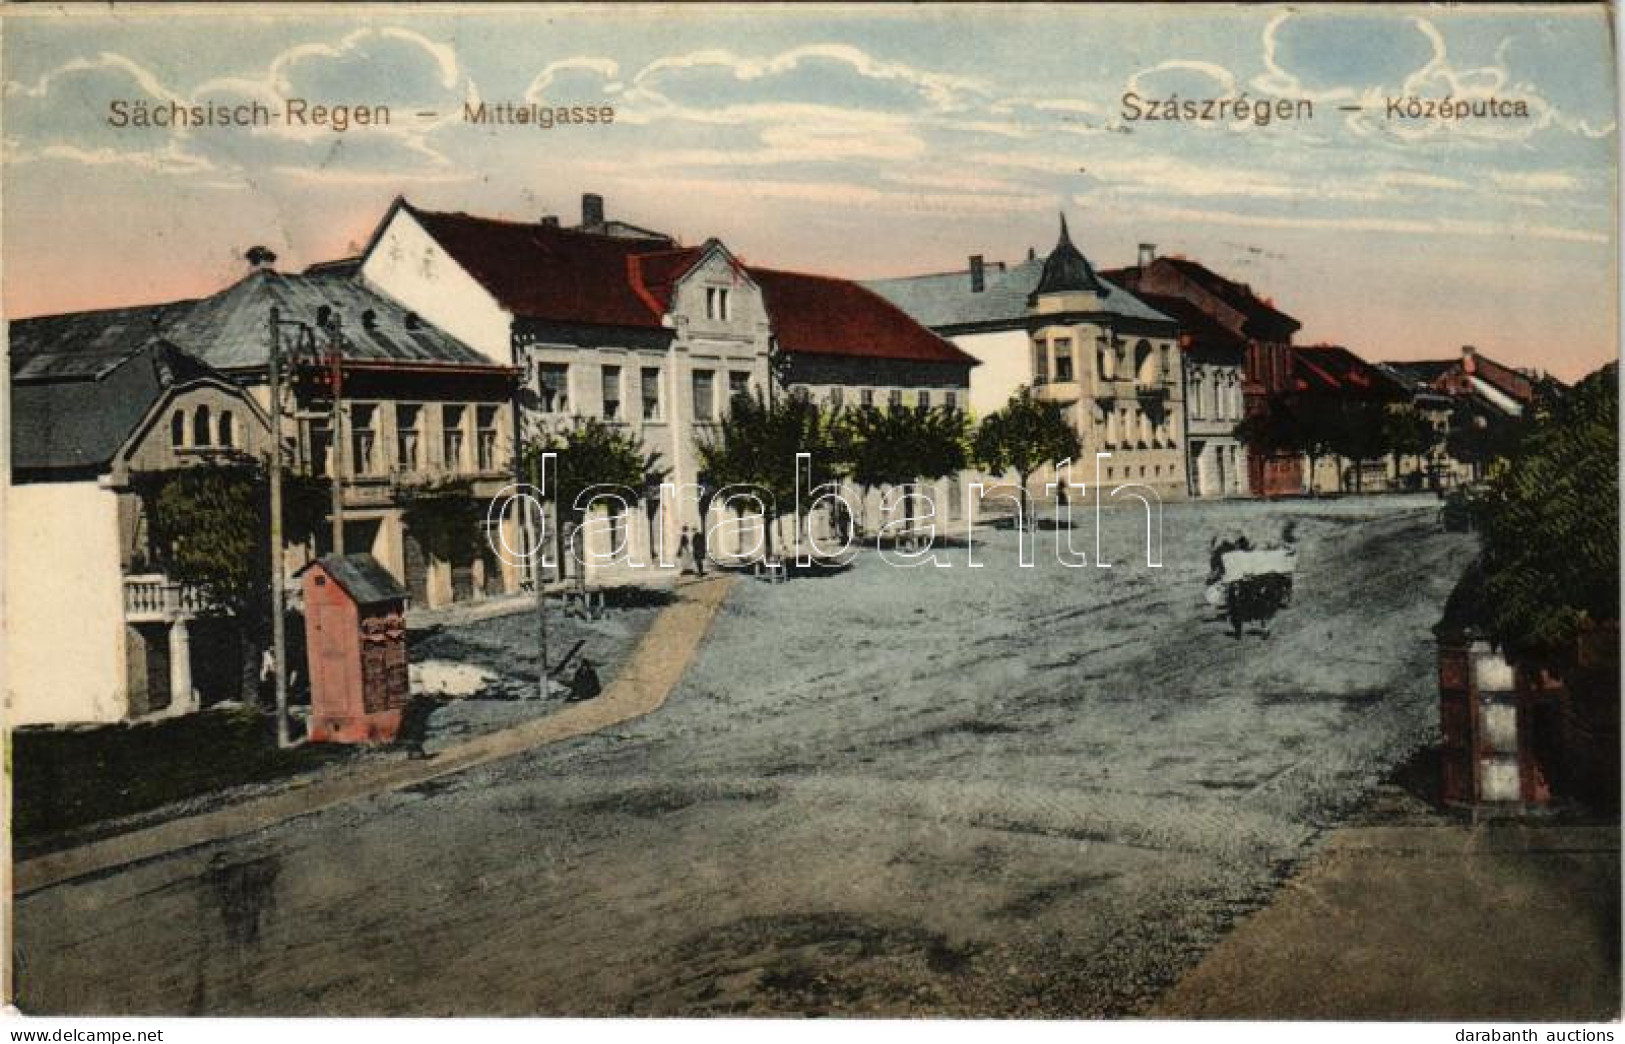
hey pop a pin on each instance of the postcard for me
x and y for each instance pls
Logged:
(965, 511)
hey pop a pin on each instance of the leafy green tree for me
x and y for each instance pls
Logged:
(898, 446)
(1550, 525)
(209, 526)
(589, 453)
(1479, 438)
(445, 519)
(756, 445)
(1023, 436)
(1356, 430)
(1410, 434)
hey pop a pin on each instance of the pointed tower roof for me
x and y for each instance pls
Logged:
(1066, 270)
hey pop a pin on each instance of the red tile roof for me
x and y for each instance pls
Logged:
(562, 275)
(822, 315)
(1331, 369)
(1237, 295)
(1199, 333)
(540, 272)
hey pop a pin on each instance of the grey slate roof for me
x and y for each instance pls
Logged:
(75, 423)
(944, 302)
(228, 329)
(367, 582)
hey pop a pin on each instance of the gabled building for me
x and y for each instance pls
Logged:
(1214, 361)
(1324, 375)
(610, 321)
(1264, 330)
(97, 400)
(1075, 337)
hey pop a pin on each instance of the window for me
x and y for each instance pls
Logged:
(651, 393)
(705, 395)
(408, 434)
(485, 437)
(924, 399)
(1063, 359)
(894, 398)
(363, 438)
(228, 429)
(950, 400)
(867, 397)
(837, 397)
(553, 385)
(716, 303)
(451, 436)
(177, 429)
(321, 448)
(201, 436)
(1040, 362)
(612, 392)
(738, 383)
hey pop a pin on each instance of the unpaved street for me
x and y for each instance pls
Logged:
(963, 791)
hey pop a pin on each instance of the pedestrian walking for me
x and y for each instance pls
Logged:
(698, 544)
(683, 552)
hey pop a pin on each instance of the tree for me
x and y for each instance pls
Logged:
(589, 453)
(1410, 434)
(1479, 438)
(756, 445)
(1356, 430)
(445, 519)
(209, 527)
(1023, 436)
(1273, 431)
(899, 446)
(1550, 525)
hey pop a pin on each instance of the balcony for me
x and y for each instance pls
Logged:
(154, 598)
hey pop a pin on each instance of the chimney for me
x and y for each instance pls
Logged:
(1148, 254)
(1032, 254)
(592, 211)
(978, 277)
(550, 221)
(1468, 362)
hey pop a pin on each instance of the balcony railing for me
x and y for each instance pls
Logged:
(154, 598)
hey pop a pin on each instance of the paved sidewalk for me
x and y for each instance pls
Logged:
(640, 688)
(1433, 918)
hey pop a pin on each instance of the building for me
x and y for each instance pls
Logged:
(611, 321)
(419, 411)
(610, 324)
(1471, 390)
(1114, 368)
(97, 400)
(1214, 361)
(1324, 375)
(1266, 334)
(1077, 339)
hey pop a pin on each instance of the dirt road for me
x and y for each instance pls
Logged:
(1000, 790)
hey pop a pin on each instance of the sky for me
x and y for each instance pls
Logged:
(863, 142)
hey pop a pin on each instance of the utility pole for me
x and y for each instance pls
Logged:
(279, 637)
(336, 360)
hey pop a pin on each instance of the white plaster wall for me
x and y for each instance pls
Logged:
(409, 266)
(1006, 358)
(64, 631)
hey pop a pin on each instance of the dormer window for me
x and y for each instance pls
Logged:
(716, 303)
(228, 430)
(201, 435)
(177, 429)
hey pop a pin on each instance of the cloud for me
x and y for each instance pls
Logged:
(1403, 226)
(63, 116)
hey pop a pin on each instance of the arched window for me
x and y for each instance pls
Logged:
(228, 431)
(201, 436)
(177, 429)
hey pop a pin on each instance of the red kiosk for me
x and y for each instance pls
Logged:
(355, 633)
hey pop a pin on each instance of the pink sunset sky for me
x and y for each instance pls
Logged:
(863, 143)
